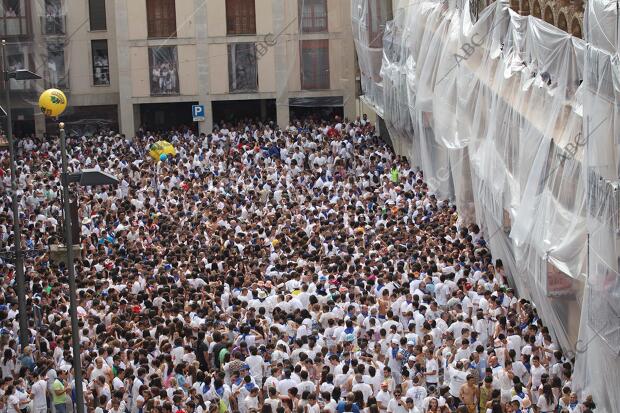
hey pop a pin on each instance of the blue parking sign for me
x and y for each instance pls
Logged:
(198, 113)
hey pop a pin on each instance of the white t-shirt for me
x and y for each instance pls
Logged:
(251, 403)
(537, 373)
(256, 364)
(284, 385)
(13, 401)
(117, 383)
(544, 406)
(418, 394)
(457, 379)
(38, 394)
(384, 398)
(274, 403)
(432, 365)
(94, 375)
(364, 388)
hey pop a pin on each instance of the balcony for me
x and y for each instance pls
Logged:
(54, 25)
(22, 85)
(16, 26)
(58, 79)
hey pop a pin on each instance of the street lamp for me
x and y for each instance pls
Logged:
(24, 333)
(87, 177)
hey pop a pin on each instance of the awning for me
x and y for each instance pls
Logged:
(314, 102)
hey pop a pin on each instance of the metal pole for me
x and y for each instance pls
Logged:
(20, 279)
(75, 333)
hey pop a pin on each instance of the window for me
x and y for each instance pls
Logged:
(161, 18)
(315, 64)
(242, 70)
(101, 64)
(12, 8)
(96, 10)
(53, 21)
(16, 61)
(313, 16)
(379, 12)
(13, 21)
(164, 70)
(240, 17)
(56, 75)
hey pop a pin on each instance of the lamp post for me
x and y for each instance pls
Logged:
(20, 280)
(84, 178)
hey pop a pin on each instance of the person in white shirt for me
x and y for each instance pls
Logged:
(273, 400)
(397, 404)
(458, 377)
(137, 383)
(503, 379)
(359, 385)
(38, 393)
(547, 401)
(536, 372)
(286, 383)
(251, 402)
(13, 402)
(305, 384)
(383, 397)
(432, 369)
(257, 365)
(417, 392)
(312, 406)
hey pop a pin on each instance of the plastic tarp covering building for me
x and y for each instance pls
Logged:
(601, 24)
(516, 121)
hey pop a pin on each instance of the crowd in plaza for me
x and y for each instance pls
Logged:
(303, 269)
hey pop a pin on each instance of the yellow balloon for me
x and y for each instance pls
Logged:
(161, 147)
(52, 102)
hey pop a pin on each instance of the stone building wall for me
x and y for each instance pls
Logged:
(566, 15)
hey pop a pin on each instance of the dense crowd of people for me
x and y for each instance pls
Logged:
(306, 269)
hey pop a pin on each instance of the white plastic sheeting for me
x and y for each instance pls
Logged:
(601, 24)
(600, 322)
(515, 121)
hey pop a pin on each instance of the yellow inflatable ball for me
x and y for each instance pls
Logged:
(160, 148)
(52, 102)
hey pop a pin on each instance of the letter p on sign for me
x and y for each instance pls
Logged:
(198, 113)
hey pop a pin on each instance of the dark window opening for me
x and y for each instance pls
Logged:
(161, 18)
(164, 70)
(240, 17)
(242, 68)
(313, 16)
(315, 64)
(97, 16)
(101, 63)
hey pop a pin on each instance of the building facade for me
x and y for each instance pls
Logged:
(127, 64)
(71, 45)
(566, 15)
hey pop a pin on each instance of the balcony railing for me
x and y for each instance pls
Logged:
(22, 85)
(13, 26)
(54, 25)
